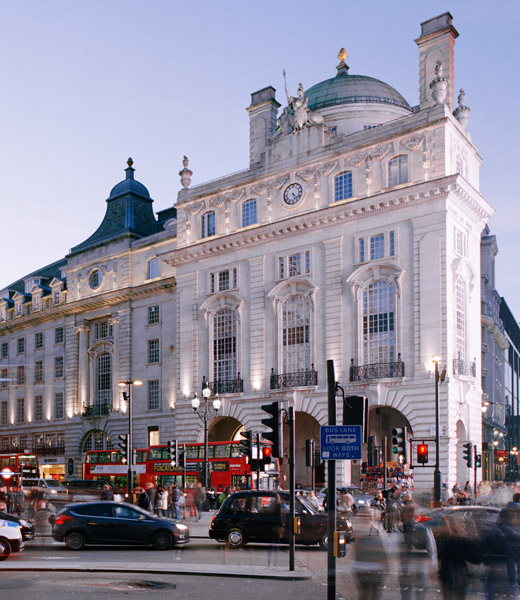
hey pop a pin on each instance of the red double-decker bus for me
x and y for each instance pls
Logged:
(227, 466)
(110, 465)
(14, 464)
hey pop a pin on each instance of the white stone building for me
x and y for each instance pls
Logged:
(354, 235)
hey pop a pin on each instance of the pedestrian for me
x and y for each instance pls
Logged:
(509, 523)
(3, 499)
(277, 514)
(200, 497)
(445, 494)
(107, 493)
(161, 501)
(345, 502)
(150, 490)
(377, 508)
(174, 497)
(467, 488)
(455, 489)
(393, 507)
(143, 499)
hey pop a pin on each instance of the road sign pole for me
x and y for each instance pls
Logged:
(331, 488)
(385, 446)
(292, 486)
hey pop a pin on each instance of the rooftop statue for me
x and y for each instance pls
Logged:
(299, 114)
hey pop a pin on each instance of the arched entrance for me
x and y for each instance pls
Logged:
(224, 429)
(382, 419)
(462, 467)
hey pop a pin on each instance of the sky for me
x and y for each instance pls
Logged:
(85, 85)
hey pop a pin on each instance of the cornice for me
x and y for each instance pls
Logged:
(87, 304)
(341, 212)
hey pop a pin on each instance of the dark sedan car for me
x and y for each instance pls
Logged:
(112, 523)
(250, 516)
(26, 527)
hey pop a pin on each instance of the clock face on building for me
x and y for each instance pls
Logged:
(293, 194)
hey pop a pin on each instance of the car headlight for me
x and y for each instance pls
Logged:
(361, 502)
(181, 527)
(54, 492)
(25, 523)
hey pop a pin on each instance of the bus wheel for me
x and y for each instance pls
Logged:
(235, 538)
(162, 540)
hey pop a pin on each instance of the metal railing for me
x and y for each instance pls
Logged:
(464, 367)
(226, 386)
(305, 378)
(96, 410)
(387, 370)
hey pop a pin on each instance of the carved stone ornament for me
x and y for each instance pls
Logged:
(412, 143)
(259, 189)
(185, 174)
(439, 86)
(197, 207)
(306, 175)
(461, 113)
(236, 195)
(327, 168)
(217, 201)
(356, 159)
(379, 153)
(280, 181)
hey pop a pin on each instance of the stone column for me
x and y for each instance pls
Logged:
(83, 331)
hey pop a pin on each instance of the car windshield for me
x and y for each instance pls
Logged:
(54, 483)
(307, 505)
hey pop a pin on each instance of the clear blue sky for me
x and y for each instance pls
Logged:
(86, 85)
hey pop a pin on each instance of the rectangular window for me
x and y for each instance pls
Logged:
(5, 349)
(361, 250)
(38, 371)
(153, 268)
(153, 315)
(56, 297)
(223, 280)
(103, 330)
(3, 413)
(235, 278)
(153, 351)
(59, 408)
(20, 345)
(295, 265)
(58, 367)
(38, 340)
(38, 408)
(343, 186)
(391, 243)
(398, 170)
(460, 243)
(307, 262)
(20, 410)
(212, 283)
(153, 394)
(208, 224)
(377, 247)
(20, 375)
(58, 335)
(4, 378)
(249, 215)
(281, 268)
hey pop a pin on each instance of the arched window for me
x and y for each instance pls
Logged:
(225, 345)
(343, 186)
(296, 348)
(249, 214)
(398, 170)
(379, 323)
(104, 381)
(153, 268)
(208, 224)
(460, 326)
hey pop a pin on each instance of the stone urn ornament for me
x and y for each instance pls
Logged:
(185, 174)
(461, 113)
(439, 86)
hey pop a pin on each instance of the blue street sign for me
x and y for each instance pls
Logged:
(340, 442)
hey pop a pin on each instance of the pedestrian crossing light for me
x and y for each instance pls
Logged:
(274, 423)
(399, 444)
(422, 454)
(266, 456)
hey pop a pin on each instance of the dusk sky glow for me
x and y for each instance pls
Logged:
(87, 85)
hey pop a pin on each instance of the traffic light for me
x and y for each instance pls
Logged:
(247, 444)
(266, 456)
(172, 447)
(478, 460)
(309, 453)
(274, 422)
(422, 454)
(468, 454)
(399, 444)
(123, 444)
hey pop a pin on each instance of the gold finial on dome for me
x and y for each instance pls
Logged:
(130, 162)
(342, 55)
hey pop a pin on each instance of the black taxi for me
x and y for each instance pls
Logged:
(253, 516)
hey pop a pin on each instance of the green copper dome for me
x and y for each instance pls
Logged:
(350, 89)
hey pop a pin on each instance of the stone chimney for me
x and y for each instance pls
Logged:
(262, 121)
(437, 43)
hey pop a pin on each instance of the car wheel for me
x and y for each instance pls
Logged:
(162, 540)
(235, 538)
(75, 540)
(324, 541)
(5, 549)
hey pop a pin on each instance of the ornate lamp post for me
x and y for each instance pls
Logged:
(205, 415)
(437, 475)
(127, 396)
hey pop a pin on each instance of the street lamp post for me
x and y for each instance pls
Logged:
(437, 475)
(130, 453)
(205, 415)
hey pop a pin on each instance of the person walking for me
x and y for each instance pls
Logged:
(377, 508)
(200, 497)
(161, 501)
(107, 493)
(143, 499)
(174, 497)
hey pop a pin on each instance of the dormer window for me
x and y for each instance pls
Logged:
(94, 279)
(208, 224)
